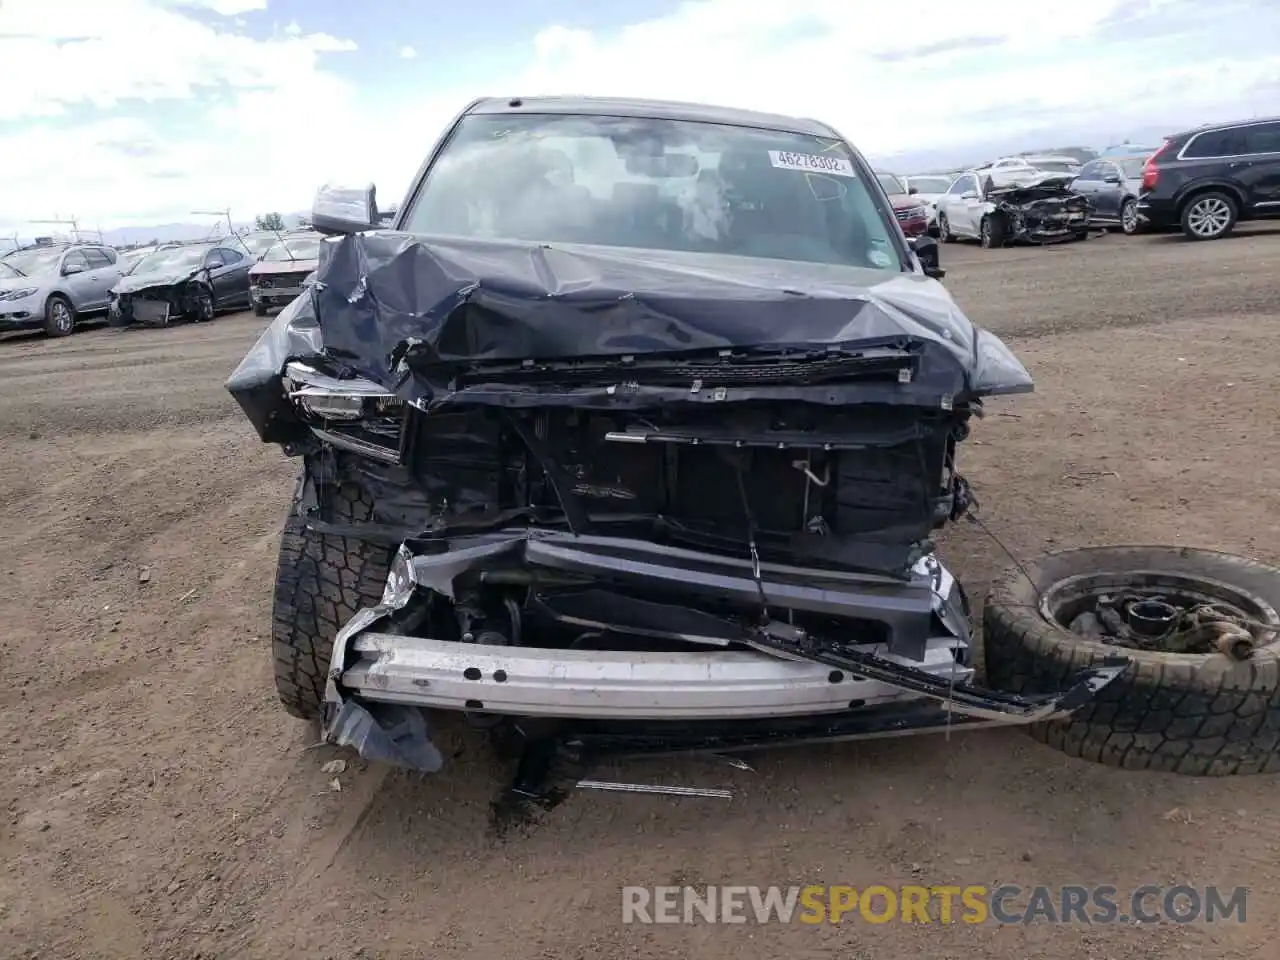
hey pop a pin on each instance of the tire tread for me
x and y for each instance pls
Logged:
(321, 582)
(1198, 715)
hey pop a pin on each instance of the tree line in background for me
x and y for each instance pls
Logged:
(269, 221)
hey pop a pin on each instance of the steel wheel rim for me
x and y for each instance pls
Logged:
(61, 316)
(1129, 217)
(985, 232)
(1062, 600)
(1209, 216)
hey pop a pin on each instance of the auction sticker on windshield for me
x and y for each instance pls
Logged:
(812, 163)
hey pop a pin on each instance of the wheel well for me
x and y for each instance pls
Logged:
(1230, 191)
(59, 295)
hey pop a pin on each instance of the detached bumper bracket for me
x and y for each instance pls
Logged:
(973, 701)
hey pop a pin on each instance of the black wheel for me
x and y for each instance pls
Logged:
(205, 306)
(321, 581)
(1129, 222)
(944, 229)
(259, 310)
(1208, 216)
(1199, 713)
(59, 316)
(991, 232)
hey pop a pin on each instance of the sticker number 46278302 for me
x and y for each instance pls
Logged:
(812, 162)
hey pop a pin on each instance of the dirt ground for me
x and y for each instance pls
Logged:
(157, 803)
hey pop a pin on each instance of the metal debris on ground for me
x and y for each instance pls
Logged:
(736, 763)
(144, 575)
(1155, 622)
(655, 788)
(334, 766)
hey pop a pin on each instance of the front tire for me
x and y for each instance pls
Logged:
(1129, 217)
(1209, 216)
(944, 229)
(59, 316)
(259, 310)
(205, 307)
(321, 581)
(991, 232)
(1190, 713)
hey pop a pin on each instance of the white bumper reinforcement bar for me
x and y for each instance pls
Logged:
(604, 684)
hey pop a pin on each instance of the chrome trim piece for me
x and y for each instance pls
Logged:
(356, 445)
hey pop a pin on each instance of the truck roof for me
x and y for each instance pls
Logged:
(654, 109)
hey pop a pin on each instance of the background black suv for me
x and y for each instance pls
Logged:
(1207, 179)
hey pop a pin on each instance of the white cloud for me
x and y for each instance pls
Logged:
(88, 53)
(134, 109)
(854, 64)
(407, 53)
(292, 29)
(225, 8)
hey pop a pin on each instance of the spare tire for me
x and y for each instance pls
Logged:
(1200, 714)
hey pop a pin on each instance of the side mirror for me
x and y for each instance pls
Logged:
(913, 189)
(339, 209)
(969, 195)
(72, 268)
(1111, 178)
(926, 250)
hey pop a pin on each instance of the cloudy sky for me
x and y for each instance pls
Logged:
(140, 111)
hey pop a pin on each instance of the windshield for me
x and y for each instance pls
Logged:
(931, 184)
(674, 185)
(175, 258)
(1133, 166)
(295, 248)
(892, 185)
(1057, 166)
(34, 262)
(256, 245)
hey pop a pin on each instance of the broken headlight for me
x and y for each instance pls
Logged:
(331, 398)
(355, 414)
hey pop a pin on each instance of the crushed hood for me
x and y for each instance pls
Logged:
(159, 278)
(270, 268)
(1050, 185)
(21, 283)
(413, 314)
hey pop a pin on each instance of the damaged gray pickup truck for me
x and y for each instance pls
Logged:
(630, 435)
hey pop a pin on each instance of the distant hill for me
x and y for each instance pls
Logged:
(163, 232)
(1083, 154)
(168, 232)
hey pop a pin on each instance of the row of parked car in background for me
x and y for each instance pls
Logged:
(52, 287)
(1202, 181)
